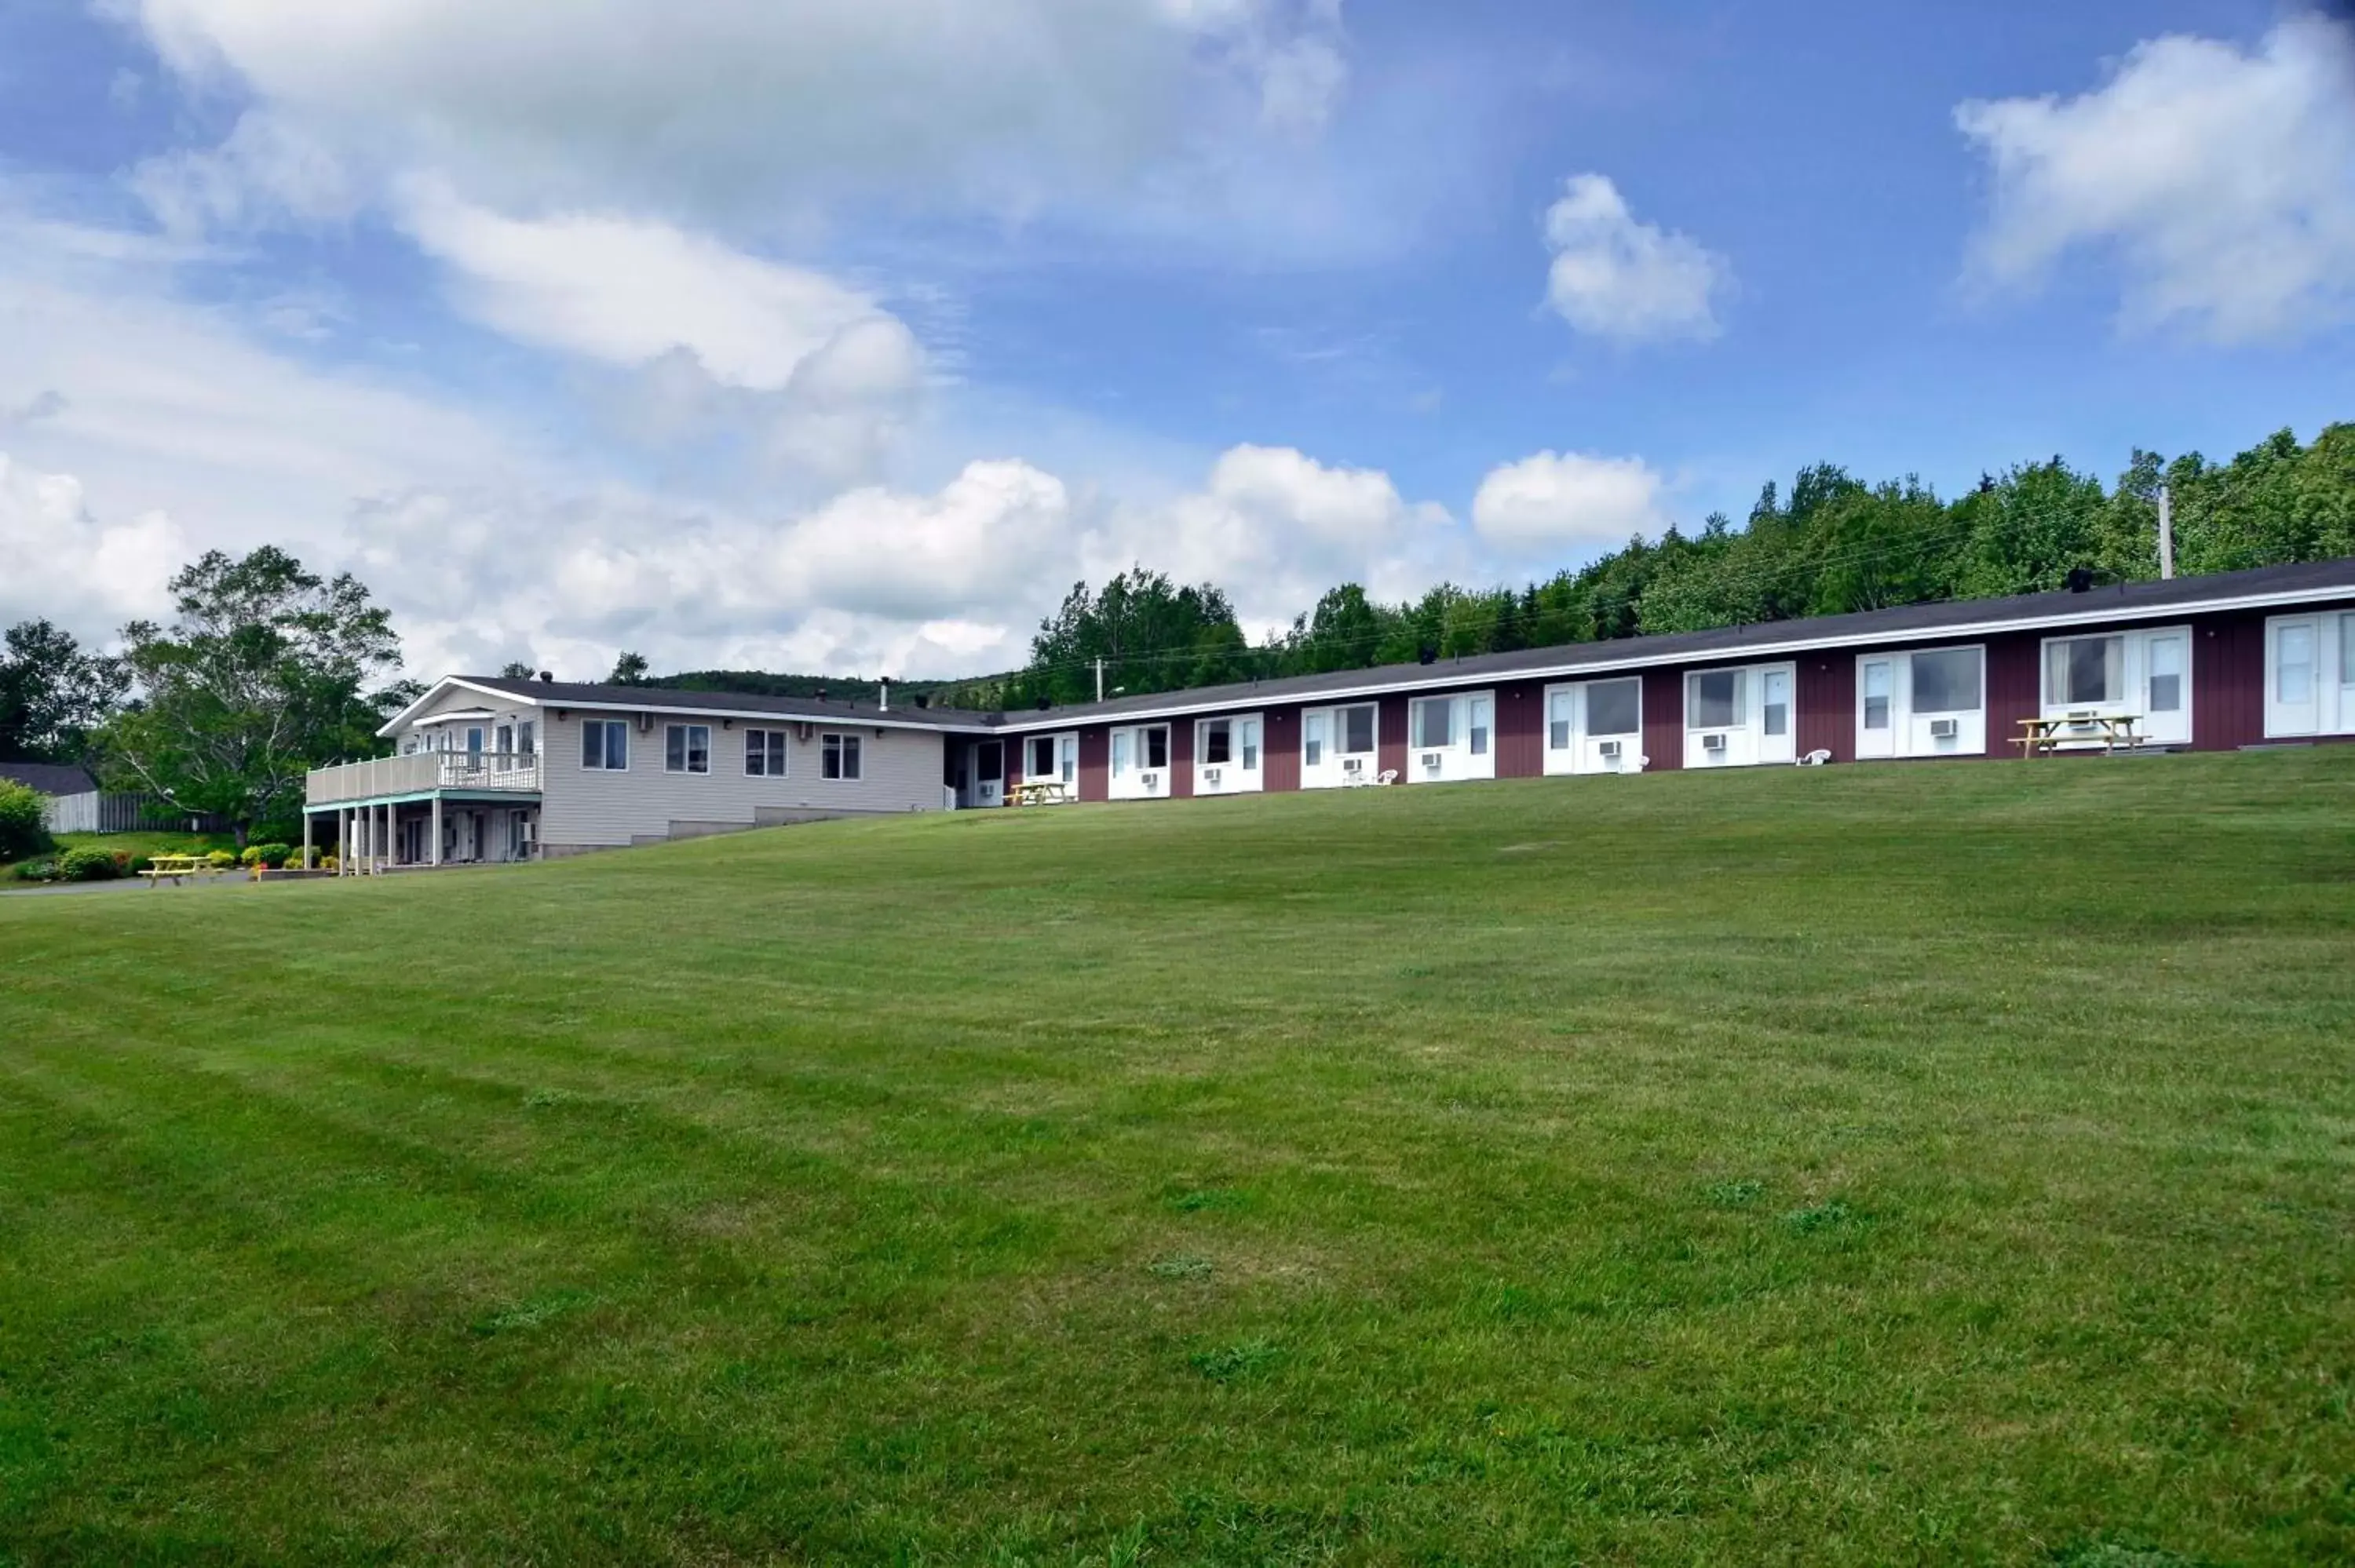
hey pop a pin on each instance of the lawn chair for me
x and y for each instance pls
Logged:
(1389, 776)
(1816, 758)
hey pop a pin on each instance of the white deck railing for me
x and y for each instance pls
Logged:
(420, 772)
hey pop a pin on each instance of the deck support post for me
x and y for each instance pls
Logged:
(306, 838)
(433, 850)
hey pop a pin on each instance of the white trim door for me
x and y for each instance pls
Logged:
(1778, 714)
(2166, 688)
(2293, 670)
(1876, 708)
(990, 773)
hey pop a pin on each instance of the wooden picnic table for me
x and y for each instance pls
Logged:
(1037, 792)
(2042, 736)
(163, 868)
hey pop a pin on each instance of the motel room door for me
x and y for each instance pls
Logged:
(2167, 688)
(1776, 739)
(990, 773)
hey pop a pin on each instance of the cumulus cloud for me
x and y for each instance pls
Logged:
(1557, 505)
(60, 562)
(2219, 182)
(1617, 278)
(730, 108)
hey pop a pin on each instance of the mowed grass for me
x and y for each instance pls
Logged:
(1857, 1165)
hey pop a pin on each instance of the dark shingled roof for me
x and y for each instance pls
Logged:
(597, 694)
(50, 777)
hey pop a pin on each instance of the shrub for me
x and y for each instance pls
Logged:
(141, 864)
(36, 871)
(220, 860)
(272, 855)
(87, 866)
(24, 828)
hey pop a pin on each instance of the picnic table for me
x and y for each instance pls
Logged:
(2042, 736)
(173, 868)
(1037, 792)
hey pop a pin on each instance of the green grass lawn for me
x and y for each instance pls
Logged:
(1857, 1165)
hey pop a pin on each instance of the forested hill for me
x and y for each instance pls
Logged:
(1830, 544)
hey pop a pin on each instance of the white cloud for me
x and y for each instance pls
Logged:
(267, 171)
(1616, 278)
(58, 562)
(628, 292)
(2220, 182)
(730, 108)
(1561, 505)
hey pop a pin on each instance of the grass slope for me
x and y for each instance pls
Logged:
(1860, 1165)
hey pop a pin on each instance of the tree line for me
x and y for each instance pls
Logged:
(1829, 544)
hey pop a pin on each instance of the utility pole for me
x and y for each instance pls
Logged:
(1098, 680)
(2166, 536)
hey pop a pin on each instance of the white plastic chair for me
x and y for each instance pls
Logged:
(1390, 776)
(1816, 758)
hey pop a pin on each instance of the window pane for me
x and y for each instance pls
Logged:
(1312, 740)
(592, 745)
(1614, 707)
(1218, 742)
(1716, 700)
(830, 760)
(1775, 703)
(674, 748)
(1251, 745)
(1071, 759)
(505, 745)
(2294, 664)
(1434, 722)
(850, 754)
(2086, 670)
(1477, 724)
(698, 748)
(2347, 650)
(776, 754)
(1946, 682)
(527, 741)
(1876, 712)
(1356, 730)
(617, 745)
(1120, 750)
(756, 753)
(1156, 747)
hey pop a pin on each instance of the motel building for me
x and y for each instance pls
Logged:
(495, 770)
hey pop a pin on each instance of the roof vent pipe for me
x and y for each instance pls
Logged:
(883, 690)
(548, 677)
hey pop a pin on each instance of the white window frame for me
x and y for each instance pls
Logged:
(1582, 750)
(2330, 708)
(844, 754)
(1470, 751)
(1128, 783)
(604, 748)
(1911, 731)
(1745, 742)
(1338, 767)
(685, 732)
(772, 744)
(1241, 772)
(2134, 680)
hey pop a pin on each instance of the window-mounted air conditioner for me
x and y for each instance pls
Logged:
(1150, 780)
(1211, 776)
(1431, 761)
(1353, 765)
(1607, 750)
(1713, 743)
(1944, 729)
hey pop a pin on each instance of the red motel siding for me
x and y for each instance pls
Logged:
(1389, 749)
(2015, 688)
(1280, 764)
(2228, 681)
(1095, 763)
(1827, 698)
(1181, 759)
(1520, 731)
(1664, 719)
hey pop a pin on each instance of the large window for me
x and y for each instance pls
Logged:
(1713, 699)
(1433, 722)
(1157, 746)
(1040, 763)
(2084, 672)
(686, 749)
(605, 744)
(1218, 742)
(1946, 682)
(1354, 730)
(764, 754)
(838, 757)
(1614, 707)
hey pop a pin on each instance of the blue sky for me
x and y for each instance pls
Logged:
(833, 335)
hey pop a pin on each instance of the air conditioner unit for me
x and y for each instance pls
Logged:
(1607, 750)
(1713, 743)
(1211, 777)
(645, 723)
(1431, 761)
(1944, 729)
(1353, 765)
(1150, 780)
